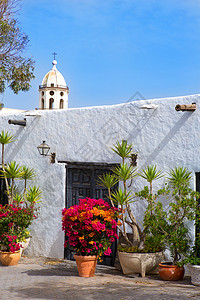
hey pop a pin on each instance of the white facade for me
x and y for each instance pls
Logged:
(159, 134)
(53, 92)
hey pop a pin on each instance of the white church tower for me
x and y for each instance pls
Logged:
(53, 91)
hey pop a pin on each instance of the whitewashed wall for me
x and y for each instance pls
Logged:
(161, 136)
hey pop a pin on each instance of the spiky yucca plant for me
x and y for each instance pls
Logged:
(125, 173)
(14, 171)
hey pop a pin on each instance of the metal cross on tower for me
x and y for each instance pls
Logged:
(54, 55)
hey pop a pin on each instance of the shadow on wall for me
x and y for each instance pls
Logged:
(167, 138)
(113, 129)
(21, 135)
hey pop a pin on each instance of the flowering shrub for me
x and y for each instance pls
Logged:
(14, 220)
(10, 242)
(90, 227)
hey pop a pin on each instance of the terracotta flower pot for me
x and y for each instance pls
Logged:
(167, 271)
(9, 258)
(86, 265)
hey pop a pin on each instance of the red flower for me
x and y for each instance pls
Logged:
(90, 226)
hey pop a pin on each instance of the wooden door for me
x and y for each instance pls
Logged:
(81, 182)
(3, 195)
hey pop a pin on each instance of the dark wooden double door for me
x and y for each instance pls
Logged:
(81, 182)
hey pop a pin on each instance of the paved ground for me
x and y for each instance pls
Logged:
(40, 278)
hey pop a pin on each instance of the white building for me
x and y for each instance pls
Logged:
(81, 139)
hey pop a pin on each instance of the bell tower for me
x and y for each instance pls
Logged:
(53, 91)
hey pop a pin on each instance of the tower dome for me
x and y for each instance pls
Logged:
(53, 91)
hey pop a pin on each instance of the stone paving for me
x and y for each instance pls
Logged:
(41, 278)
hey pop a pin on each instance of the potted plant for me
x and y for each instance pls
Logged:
(10, 252)
(182, 208)
(21, 210)
(14, 220)
(90, 229)
(141, 251)
(192, 260)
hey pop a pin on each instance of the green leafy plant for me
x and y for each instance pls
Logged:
(192, 259)
(123, 150)
(22, 209)
(5, 138)
(161, 228)
(151, 173)
(16, 71)
(108, 180)
(183, 207)
(149, 248)
(11, 171)
(27, 174)
(142, 237)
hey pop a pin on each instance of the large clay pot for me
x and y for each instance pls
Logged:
(9, 258)
(195, 274)
(86, 265)
(141, 263)
(167, 271)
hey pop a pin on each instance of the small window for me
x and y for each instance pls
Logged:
(61, 103)
(61, 94)
(42, 93)
(42, 103)
(52, 84)
(51, 93)
(51, 103)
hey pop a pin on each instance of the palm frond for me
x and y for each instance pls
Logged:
(12, 170)
(18, 198)
(6, 137)
(107, 180)
(151, 173)
(27, 173)
(179, 177)
(123, 150)
(123, 172)
(121, 197)
(33, 195)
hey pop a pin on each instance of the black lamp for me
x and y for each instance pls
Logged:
(44, 149)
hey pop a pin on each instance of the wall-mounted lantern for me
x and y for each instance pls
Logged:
(44, 150)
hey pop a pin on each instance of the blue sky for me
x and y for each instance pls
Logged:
(110, 49)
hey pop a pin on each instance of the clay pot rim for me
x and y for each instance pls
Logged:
(85, 256)
(10, 252)
(168, 264)
(140, 252)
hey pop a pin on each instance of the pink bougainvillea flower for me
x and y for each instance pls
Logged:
(90, 226)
